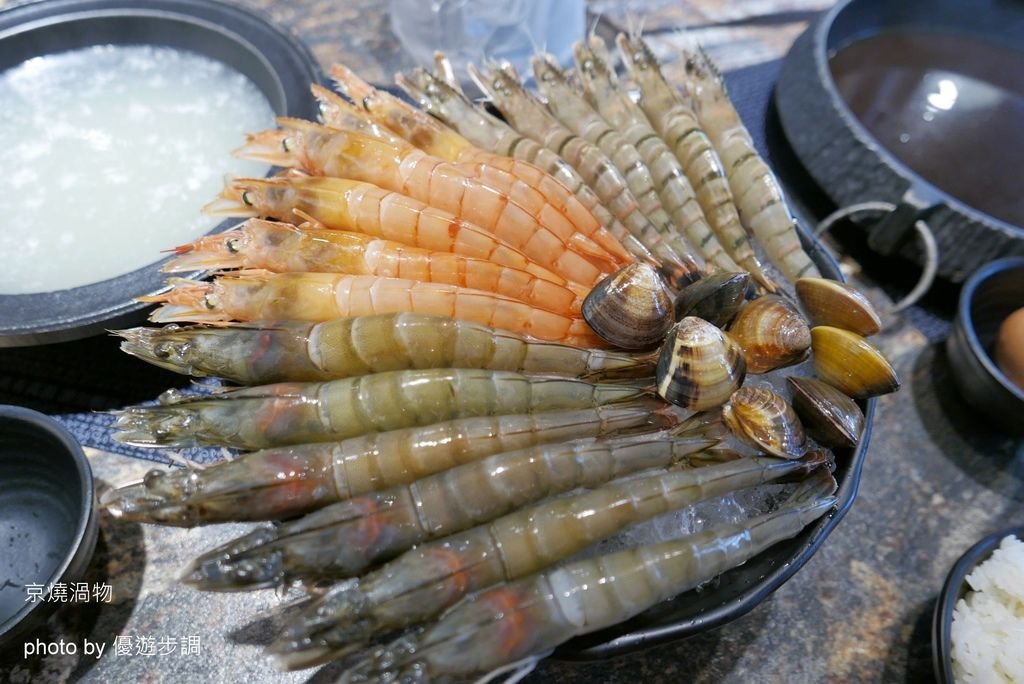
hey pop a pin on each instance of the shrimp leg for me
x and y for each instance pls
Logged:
(421, 583)
(299, 413)
(345, 538)
(759, 196)
(265, 352)
(280, 483)
(260, 295)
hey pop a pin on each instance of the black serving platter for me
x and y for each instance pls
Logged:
(852, 165)
(46, 501)
(277, 62)
(740, 590)
(953, 590)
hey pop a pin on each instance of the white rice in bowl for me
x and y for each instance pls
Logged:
(988, 623)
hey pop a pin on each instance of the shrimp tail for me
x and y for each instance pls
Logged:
(269, 146)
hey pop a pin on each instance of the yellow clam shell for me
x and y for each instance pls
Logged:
(836, 304)
(851, 364)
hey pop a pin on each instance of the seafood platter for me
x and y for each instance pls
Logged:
(489, 383)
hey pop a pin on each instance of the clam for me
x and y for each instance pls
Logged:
(631, 308)
(764, 419)
(772, 334)
(851, 364)
(699, 366)
(830, 417)
(830, 302)
(715, 298)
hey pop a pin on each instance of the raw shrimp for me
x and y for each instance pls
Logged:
(283, 248)
(346, 154)
(345, 538)
(299, 413)
(513, 625)
(261, 295)
(288, 481)
(434, 137)
(451, 106)
(342, 204)
(577, 114)
(692, 210)
(418, 585)
(264, 352)
(677, 125)
(758, 194)
(529, 117)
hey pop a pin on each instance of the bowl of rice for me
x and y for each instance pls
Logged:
(979, 617)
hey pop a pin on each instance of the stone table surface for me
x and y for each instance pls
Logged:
(936, 479)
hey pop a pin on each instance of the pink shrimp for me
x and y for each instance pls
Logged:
(282, 248)
(342, 204)
(261, 295)
(329, 152)
(434, 137)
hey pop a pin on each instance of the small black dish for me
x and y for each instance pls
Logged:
(892, 102)
(276, 61)
(953, 590)
(737, 591)
(48, 520)
(991, 294)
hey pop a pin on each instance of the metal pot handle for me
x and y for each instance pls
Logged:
(891, 232)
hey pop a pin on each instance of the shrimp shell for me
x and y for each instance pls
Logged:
(527, 542)
(759, 196)
(275, 484)
(343, 204)
(298, 413)
(343, 539)
(446, 102)
(260, 295)
(517, 623)
(573, 111)
(264, 352)
(614, 105)
(346, 154)
(432, 136)
(283, 248)
(677, 126)
(531, 118)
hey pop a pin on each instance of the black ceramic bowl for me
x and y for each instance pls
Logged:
(48, 522)
(953, 590)
(972, 59)
(990, 295)
(741, 589)
(280, 66)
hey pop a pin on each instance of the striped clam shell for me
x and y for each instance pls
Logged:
(699, 366)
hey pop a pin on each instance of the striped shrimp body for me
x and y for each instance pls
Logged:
(449, 104)
(558, 205)
(299, 413)
(677, 126)
(343, 539)
(531, 118)
(682, 180)
(275, 484)
(284, 248)
(346, 154)
(343, 204)
(264, 352)
(572, 110)
(758, 194)
(511, 626)
(261, 295)
(421, 583)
